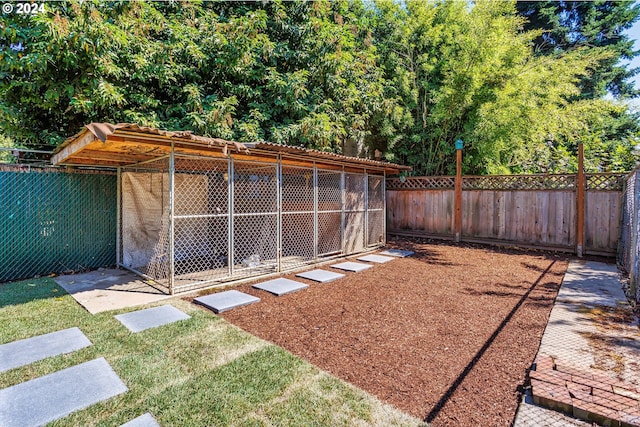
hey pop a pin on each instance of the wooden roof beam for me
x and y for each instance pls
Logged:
(113, 156)
(85, 139)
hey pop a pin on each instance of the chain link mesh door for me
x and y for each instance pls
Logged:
(201, 222)
(329, 212)
(145, 220)
(298, 217)
(354, 209)
(375, 211)
(255, 219)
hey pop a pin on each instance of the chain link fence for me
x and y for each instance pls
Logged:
(55, 221)
(330, 215)
(298, 216)
(629, 245)
(234, 219)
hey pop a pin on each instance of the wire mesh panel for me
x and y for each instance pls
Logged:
(201, 221)
(354, 208)
(629, 244)
(297, 216)
(145, 219)
(375, 210)
(234, 219)
(255, 219)
(52, 221)
(329, 212)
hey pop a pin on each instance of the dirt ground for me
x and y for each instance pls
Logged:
(446, 335)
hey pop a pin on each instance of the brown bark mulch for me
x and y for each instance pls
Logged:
(446, 335)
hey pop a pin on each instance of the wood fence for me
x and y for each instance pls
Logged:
(527, 210)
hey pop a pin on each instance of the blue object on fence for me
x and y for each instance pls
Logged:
(459, 144)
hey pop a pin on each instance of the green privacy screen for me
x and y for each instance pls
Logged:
(53, 221)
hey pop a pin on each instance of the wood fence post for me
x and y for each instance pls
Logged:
(580, 205)
(457, 225)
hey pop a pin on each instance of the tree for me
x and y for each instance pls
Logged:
(290, 72)
(469, 72)
(404, 78)
(598, 24)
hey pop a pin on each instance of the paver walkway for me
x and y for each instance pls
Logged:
(352, 266)
(48, 398)
(145, 420)
(322, 276)
(226, 300)
(588, 362)
(29, 350)
(281, 286)
(378, 259)
(141, 320)
(109, 289)
(400, 253)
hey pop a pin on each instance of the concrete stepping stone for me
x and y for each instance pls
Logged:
(26, 351)
(223, 301)
(397, 253)
(145, 420)
(352, 266)
(141, 320)
(322, 276)
(48, 398)
(378, 259)
(280, 286)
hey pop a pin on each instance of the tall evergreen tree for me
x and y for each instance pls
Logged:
(567, 25)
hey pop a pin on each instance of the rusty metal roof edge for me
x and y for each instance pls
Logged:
(270, 146)
(102, 131)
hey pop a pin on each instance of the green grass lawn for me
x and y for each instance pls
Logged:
(198, 372)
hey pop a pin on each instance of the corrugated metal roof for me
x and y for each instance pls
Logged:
(308, 152)
(103, 130)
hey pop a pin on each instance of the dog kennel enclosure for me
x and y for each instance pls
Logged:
(194, 212)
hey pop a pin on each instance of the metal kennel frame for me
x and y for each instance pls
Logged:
(192, 221)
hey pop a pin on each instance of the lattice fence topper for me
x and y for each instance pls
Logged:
(605, 181)
(519, 182)
(422, 183)
(595, 181)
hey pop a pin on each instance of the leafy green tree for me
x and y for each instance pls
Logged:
(5, 155)
(469, 72)
(407, 79)
(290, 72)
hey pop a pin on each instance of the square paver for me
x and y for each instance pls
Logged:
(141, 320)
(378, 259)
(397, 253)
(48, 398)
(145, 420)
(26, 351)
(280, 286)
(109, 289)
(223, 301)
(322, 276)
(352, 266)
